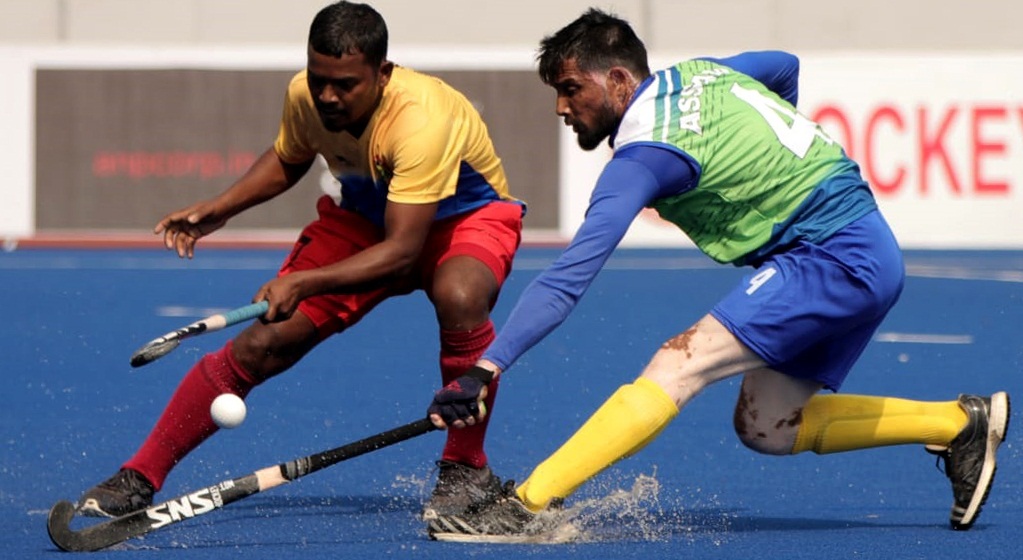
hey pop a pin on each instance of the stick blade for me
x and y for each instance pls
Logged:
(153, 351)
(58, 524)
(98, 536)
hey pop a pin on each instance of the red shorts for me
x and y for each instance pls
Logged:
(490, 234)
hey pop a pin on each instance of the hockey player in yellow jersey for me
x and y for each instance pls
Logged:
(424, 205)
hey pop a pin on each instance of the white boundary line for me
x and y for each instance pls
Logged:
(919, 338)
(15, 258)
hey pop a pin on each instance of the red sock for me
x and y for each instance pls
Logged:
(459, 351)
(186, 420)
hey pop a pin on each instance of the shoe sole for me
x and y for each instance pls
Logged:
(560, 535)
(998, 427)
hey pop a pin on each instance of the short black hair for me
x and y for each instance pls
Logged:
(597, 41)
(349, 28)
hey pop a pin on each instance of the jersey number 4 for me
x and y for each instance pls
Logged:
(797, 136)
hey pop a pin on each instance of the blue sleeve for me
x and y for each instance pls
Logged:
(627, 184)
(778, 70)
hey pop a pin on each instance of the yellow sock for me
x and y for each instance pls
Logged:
(833, 423)
(623, 425)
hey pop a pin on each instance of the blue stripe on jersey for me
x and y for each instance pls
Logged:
(662, 110)
(472, 192)
(676, 88)
(364, 197)
(840, 199)
(668, 80)
(361, 195)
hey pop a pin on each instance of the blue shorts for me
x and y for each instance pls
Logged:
(810, 311)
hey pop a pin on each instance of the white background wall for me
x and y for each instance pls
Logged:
(666, 25)
(928, 60)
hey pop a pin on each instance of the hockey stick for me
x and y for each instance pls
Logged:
(160, 347)
(187, 506)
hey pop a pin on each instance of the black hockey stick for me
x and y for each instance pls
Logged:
(136, 524)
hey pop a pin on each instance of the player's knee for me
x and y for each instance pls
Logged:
(252, 342)
(261, 354)
(459, 305)
(763, 437)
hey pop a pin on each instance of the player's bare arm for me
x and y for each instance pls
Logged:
(268, 177)
(406, 228)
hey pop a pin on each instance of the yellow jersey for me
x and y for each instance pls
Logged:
(425, 143)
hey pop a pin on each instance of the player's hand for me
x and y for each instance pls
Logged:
(283, 295)
(181, 229)
(460, 403)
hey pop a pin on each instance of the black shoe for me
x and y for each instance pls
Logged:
(504, 515)
(460, 488)
(970, 458)
(121, 494)
(506, 520)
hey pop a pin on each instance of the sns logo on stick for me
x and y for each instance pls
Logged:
(196, 503)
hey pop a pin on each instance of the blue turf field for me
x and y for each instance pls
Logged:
(73, 409)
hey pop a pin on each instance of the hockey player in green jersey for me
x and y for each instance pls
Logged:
(718, 148)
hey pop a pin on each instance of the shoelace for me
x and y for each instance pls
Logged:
(942, 457)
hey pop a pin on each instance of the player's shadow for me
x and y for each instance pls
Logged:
(296, 506)
(669, 524)
(313, 521)
(737, 522)
(291, 506)
(289, 521)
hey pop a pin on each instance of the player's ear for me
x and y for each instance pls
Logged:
(620, 83)
(386, 68)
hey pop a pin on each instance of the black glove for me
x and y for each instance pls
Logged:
(461, 399)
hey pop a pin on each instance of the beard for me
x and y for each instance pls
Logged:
(332, 119)
(332, 126)
(605, 124)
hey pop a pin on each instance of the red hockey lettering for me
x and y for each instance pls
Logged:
(982, 147)
(826, 113)
(932, 146)
(892, 185)
(934, 141)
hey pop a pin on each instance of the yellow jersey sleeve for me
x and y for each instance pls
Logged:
(425, 163)
(433, 146)
(294, 143)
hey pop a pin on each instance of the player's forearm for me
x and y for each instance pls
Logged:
(267, 178)
(406, 228)
(379, 263)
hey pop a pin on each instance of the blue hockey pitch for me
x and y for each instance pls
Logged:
(74, 409)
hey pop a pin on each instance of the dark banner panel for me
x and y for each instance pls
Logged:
(118, 149)
(519, 111)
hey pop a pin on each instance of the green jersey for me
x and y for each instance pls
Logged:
(767, 174)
